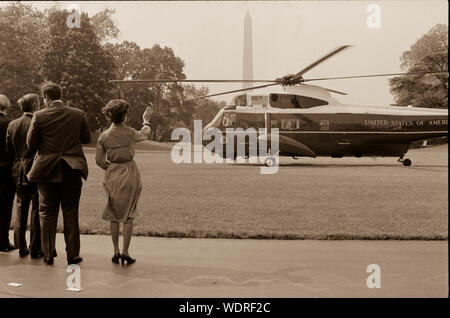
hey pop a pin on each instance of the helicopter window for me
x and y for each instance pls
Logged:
(246, 121)
(294, 101)
(324, 125)
(241, 100)
(273, 123)
(260, 100)
(289, 124)
(229, 120)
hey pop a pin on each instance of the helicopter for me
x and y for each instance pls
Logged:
(312, 123)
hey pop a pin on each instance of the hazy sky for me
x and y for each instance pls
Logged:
(288, 35)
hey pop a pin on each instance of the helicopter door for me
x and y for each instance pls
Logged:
(228, 120)
(344, 123)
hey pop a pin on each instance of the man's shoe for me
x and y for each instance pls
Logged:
(24, 252)
(8, 248)
(11, 247)
(37, 255)
(74, 260)
(48, 260)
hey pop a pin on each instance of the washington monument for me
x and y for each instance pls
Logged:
(247, 69)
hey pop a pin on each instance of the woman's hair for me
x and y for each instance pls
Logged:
(115, 110)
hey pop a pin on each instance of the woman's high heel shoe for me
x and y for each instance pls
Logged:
(115, 259)
(128, 259)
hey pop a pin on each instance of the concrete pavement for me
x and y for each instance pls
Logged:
(236, 268)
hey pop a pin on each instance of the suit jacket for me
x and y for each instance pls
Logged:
(16, 144)
(56, 133)
(5, 155)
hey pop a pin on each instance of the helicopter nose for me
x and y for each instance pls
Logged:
(206, 128)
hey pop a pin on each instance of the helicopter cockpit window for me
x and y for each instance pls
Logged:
(229, 120)
(240, 100)
(294, 101)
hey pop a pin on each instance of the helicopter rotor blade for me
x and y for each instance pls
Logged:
(371, 75)
(190, 81)
(322, 59)
(229, 92)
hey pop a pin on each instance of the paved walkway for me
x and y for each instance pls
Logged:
(236, 268)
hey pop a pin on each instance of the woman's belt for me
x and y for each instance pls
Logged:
(121, 162)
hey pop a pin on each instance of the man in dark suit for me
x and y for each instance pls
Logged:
(7, 187)
(56, 133)
(26, 192)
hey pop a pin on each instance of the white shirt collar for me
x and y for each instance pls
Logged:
(58, 101)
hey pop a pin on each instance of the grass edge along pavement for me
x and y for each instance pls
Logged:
(276, 236)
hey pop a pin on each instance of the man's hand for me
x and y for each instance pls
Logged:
(147, 115)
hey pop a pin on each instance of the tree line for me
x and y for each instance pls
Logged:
(36, 46)
(428, 54)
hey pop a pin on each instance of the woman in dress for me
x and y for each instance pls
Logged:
(115, 153)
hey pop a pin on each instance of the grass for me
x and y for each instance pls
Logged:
(324, 198)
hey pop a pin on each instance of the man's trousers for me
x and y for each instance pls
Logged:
(25, 195)
(67, 195)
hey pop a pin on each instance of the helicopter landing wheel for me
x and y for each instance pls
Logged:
(270, 161)
(406, 162)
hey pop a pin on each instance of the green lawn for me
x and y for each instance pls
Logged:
(320, 198)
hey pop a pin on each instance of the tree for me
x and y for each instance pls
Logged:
(428, 54)
(76, 60)
(104, 25)
(37, 46)
(23, 41)
(132, 62)
(205, 109)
